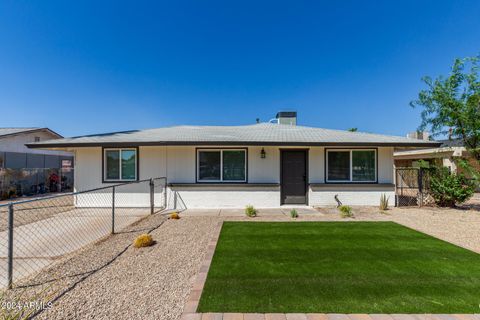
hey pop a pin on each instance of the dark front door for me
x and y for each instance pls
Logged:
(294, 177)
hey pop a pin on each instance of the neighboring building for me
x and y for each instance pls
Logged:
(444, 155)
(25, 171)
(265, 165)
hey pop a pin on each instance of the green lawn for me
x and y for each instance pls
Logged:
(338, 267)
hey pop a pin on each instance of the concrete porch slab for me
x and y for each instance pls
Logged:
(200, 213)
(240, 212)
(232, 212)
(301, 210)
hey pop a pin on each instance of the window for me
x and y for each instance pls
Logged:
(37, 139)
(120, 164)
(339, 165)
(214, 165)
(357, 165)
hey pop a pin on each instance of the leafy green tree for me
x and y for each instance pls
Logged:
(451, 105)
(353, 129)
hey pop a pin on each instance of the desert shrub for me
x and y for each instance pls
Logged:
(384, 202)
(345, 211)
(449, 189)
(174, 215)
(293, 213)
(250, 211)
(143, 240)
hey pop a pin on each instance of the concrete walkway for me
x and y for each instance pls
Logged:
(240, 212)
(37, 244)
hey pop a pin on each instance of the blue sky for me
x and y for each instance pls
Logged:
(89, 66)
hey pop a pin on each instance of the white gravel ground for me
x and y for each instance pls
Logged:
(460, 227)
(148, 283)
(154, 283)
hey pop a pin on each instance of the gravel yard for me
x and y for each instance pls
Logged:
(108, 280)
(112, 280)
(460, 227)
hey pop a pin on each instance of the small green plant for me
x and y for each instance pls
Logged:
(384, 202)
(293, 213)
(345, 211)
(250, 211)
(143, 240)
(449, 189)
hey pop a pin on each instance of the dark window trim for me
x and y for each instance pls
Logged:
(120, 180)
(307, 158)
(325, 161)
(219, 149)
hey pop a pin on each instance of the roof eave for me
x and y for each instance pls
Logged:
(231, 143)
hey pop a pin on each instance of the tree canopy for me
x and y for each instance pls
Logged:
(451, 105)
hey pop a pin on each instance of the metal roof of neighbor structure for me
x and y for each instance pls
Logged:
(448, 148)
(451, 143)
(13, 131)
(257, 134)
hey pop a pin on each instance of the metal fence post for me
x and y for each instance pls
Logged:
(420, 186)
(152, 200)
(165, 194)
(175, 200)
(113, 209)
(10, 245)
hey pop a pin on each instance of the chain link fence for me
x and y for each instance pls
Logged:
(412, 187)
(36, 232)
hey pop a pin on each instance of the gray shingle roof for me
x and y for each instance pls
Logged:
(9, 131)
(13, 131)
(257, 134)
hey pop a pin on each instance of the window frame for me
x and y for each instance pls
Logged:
(351, 181)
(120, 149)
(221, 150)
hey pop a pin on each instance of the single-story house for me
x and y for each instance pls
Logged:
(264, 164)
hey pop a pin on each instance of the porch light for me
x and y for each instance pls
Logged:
(263, 154)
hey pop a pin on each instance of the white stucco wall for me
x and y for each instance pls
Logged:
(359, 197)
(88, 175)
(225, 197)
(316, 163)
(178, 165)
(385, 165)
(265, 170)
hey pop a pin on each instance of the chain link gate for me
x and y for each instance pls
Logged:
(412, 187)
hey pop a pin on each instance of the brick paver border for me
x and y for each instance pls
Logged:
(190, 309)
